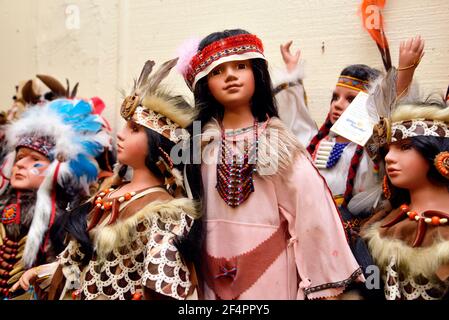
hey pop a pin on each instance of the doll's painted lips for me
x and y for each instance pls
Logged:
(232, 86)
(119, 148)
(19, 176)
(392, 171)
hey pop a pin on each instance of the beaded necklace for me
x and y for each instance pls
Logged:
(235, 173)
(429, 217)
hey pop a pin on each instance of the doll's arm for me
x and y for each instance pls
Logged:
(410, 54)
(31, 275)
(291, 60)
(291, 97)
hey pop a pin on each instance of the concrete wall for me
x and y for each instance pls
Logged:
(115, 38)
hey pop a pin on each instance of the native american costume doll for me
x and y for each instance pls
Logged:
(132, 244)
(346, 167)
(272, 228)
(52, 148)
(409, 240)
(350, 173)
(44, 89)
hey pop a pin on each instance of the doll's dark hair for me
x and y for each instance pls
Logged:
(262, 103)
(362, 72)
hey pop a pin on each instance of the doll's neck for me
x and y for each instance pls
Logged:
(238, 117)
(142, 179)
(429, 197)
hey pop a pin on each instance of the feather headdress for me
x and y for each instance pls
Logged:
(69, 135)
(159, 110)
(155, 108)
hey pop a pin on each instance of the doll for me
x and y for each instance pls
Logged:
(409, 240)
(272, 230)
(51, 149)
(130, 246)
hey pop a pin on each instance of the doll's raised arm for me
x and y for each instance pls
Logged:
(411, 52)
(290, 60)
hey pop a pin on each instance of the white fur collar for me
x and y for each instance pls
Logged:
(278, 147)
(108, 238)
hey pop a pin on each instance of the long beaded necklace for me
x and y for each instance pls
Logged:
(235, 174)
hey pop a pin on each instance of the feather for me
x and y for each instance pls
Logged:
(28, 93)
(185, 53)
(147, 68)
(90, 124)
(373, 23)
(92, 147)
(98, 105)
(67, 93)
(82, 166)
(41, 217)
(160, 74)
(54, 85)
(365, 201)
(382, 96)
(74, 91)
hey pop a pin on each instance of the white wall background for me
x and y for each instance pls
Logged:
(115, 38)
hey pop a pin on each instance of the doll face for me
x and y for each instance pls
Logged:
(28, 170)
(341, 98)
(405, 166)
(232, 83)
(132, 145)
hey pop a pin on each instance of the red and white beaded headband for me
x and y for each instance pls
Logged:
(239, 47)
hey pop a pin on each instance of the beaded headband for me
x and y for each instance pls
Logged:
(239, 47)
(384, 133)
(43, 145)
(353, 83)
(418, 127)
(132, 110)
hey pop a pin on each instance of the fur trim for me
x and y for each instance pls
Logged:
(412, 111)
(280, 76)
(278, 147)
(413, 261)
(168, 106)
(108, 238)
(6, 170)
(178, 177)
(41, 218)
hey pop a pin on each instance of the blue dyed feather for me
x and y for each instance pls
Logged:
(89, 124)
(93, 148)
(82, 166)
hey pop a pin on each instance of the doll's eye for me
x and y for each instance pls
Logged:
(334, 96)
(215, 72)
(241, 66)
(350, 99)
(406, 146)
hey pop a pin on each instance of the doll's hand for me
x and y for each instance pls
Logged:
(290, 60)
(25, 280)
(410, 53)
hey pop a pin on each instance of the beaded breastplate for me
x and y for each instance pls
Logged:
(328, 154)
(235, 172)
